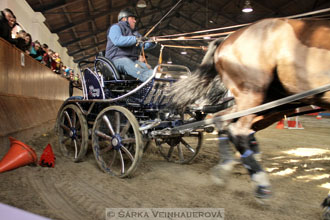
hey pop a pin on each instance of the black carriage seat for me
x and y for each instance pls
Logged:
(92, 86)
(108, 70)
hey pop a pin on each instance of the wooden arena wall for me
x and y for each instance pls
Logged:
(30, 95)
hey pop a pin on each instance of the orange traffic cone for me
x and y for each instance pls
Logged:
(294, 124)
(47, 158)
(18, 155)
(280, 124)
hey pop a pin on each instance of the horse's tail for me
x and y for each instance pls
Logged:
(203, 85)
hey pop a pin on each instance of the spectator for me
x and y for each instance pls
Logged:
(13, 33)
(12, 22)
(15, 29)
(51, 54)
(20, 40)
(20, 34)
(66, 71)
(57, 63)
(46, 59)
(28, 43)
(36, 52)
(6, 16)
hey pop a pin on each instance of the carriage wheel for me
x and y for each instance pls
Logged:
(117, 141)
(72, 132)
(180, 149)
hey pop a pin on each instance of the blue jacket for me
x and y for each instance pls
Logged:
(122, 42)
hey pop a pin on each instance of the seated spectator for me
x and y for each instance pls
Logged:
(6, 18)
(36, 52)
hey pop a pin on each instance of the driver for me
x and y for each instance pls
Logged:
(124, 44)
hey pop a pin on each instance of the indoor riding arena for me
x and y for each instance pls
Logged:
(101, 119)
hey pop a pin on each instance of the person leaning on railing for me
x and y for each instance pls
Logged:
(6, 19)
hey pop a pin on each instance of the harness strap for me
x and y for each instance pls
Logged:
(254, 110)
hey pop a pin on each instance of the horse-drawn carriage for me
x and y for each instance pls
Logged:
(121, 116)
(283, 66)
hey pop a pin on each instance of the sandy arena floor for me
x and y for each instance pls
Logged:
(296, 160)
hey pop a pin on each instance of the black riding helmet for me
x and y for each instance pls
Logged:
(124, 13)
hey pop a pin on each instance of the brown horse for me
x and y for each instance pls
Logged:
(263, 62)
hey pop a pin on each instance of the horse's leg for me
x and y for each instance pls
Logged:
(254, 146)
(239, 134)
(221, 171)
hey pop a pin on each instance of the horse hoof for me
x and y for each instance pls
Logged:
(263, 193)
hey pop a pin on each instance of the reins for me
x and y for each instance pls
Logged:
(199, 35)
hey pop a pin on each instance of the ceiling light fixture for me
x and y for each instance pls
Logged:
(247, 7)
(184, 52)
(141, 4)
(169, 61)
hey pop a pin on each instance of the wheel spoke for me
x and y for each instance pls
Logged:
(125, 129)
(187, 146)
(107, 122)
(75, 149)
(128, 140)
(180, 153)
(68, 118)
(113, 159)
(170, 151)
(65, 139)
(117, 121)
(78, 126)
(106, 149)
(122, 162)
(128, 153)
(65, 127)
(102, 135)
(74, 119)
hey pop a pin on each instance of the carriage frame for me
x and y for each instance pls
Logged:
(121, 116)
